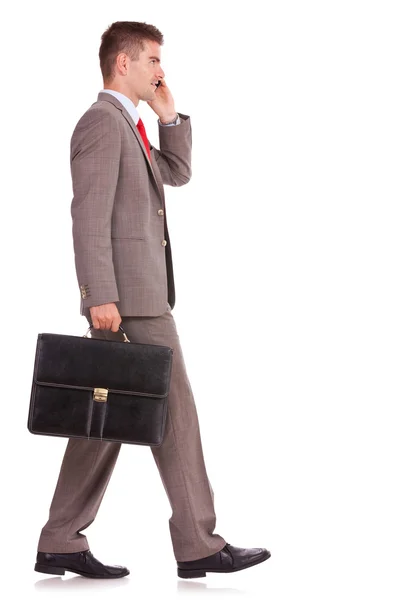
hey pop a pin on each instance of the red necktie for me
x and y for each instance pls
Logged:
(142, 132)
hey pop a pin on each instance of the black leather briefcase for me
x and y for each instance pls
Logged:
(99, 389)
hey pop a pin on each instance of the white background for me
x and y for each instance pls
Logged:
(286, 256)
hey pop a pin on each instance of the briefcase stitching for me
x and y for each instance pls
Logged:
(110, 390)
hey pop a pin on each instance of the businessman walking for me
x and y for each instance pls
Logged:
(125, 275)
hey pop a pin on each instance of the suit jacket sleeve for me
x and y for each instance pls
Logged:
(175, 154)
(95, 156)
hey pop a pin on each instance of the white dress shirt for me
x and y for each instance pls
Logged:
(131, 108)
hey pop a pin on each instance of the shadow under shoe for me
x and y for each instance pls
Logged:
(82, 563)
(227, 560)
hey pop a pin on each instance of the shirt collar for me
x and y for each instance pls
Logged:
(127, 104)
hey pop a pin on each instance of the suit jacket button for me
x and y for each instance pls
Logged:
(164, 243)
(161, 212)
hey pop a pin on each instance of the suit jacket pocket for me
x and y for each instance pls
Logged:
(127, 237)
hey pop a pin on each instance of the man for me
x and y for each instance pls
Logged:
(124, 268)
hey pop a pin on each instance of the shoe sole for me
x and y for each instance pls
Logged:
(191, 574)
(61, 571)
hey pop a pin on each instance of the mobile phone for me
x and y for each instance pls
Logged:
(158, 84)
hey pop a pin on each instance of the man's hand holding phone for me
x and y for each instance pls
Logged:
(163, 104)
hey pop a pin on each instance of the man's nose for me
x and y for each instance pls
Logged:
(161, 73)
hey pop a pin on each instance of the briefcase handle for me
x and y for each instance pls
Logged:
(123, 333)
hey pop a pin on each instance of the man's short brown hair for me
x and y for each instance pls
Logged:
(128, 37)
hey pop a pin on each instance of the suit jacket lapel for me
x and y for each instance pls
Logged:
(117, 104)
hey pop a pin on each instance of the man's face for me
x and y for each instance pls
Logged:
(145, 72)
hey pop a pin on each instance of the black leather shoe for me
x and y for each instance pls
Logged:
(82, 563)
(227, 560)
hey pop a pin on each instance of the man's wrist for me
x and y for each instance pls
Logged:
(169, 119)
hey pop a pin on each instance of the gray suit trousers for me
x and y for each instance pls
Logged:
(88, 464)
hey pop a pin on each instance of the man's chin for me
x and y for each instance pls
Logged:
(148, 97)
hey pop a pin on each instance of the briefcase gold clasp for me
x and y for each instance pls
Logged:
(100, 394)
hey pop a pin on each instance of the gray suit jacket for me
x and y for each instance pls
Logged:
(120, 235)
